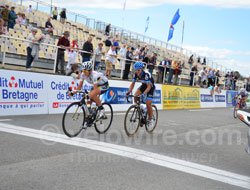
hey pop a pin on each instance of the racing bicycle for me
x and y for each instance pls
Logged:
(136, 116)
(79, 116)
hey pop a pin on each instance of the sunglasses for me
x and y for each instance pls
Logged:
(86, 71)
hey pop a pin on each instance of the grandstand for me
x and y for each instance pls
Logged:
(16, 49)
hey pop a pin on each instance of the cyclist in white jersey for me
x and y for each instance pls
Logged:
(99, 82)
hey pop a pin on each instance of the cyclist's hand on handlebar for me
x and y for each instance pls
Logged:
(127, 94)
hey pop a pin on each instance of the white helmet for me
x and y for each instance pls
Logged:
(87, 66)
(242, 91)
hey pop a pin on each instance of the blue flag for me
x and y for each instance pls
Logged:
(174, 21)
(147, 23)
(171, 32)
(176, 17)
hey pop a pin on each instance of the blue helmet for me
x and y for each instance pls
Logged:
(138, 65)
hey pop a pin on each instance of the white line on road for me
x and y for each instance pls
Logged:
(117, 114)
(201, 110)
(137, 154)
(2, 120)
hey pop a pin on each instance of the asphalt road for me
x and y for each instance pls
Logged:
(208, 137)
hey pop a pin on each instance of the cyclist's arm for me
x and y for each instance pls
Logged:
(147, 89)
(79, 87)
(131, 87)
(95, 86)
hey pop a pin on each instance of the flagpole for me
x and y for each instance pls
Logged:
(182, 35)
(123, 14)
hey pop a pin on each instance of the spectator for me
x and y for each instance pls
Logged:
(2, 28)
(202, 77)
(12, 18)
(88, 48)
(55, 13)
(116, 44)
(177, 72)
(142, 53)
(1, 16)
(108, 44)
(227, 81)
(107, 30)
(123, 52)
(49, 27)
(30, 9)
(161, 69)
(138, 49)
(199, 60)
(64, 43)
(171, 72)
(5, 14)
(116, 38)
(217, 77)
(129, 58)
(211, 76)
(30, 55)
(72, 53)
(193, 72)
(98, 56)
(152, 64)
(109, 61)
(235, 78)
(146, 60)
(247, 85)
(23, 21)
(19, 18)
(63, 16)
(73, 71)
(231, 78)
(204, 61)
(191, 61)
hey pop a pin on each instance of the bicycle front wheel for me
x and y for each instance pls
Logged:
(150, 129)
(103, 124)
(236, 107)
(73, 119)
(132, 120)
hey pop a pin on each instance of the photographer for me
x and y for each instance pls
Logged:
(73, 71)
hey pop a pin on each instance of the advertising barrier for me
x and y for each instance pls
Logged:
(178, 97)
(22, 93)
(211, 99)
(230, 97)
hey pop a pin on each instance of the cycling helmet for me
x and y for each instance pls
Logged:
(87, 66)
(242, 91)
(138, 65)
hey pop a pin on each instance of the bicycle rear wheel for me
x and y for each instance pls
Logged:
(236, 107)
(132, 120)
(155, 120)
(73, 119)
(103, 124)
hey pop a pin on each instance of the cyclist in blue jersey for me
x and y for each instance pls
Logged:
(146, 89)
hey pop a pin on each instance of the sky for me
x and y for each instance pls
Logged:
(217, 29)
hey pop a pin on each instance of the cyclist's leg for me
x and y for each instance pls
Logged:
(137, 92)
(94, 96)
(149, 102)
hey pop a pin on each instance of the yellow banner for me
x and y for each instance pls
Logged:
(178, 97)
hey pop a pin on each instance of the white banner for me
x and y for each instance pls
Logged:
(23, 93)
(210, 99)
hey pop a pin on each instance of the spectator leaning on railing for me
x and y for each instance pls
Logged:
(171, 72)
(72, 53)
(64, 43)
(152, 63)
(129, 58)
(109, 61)
(177, 71)
(193, 72)
(161, 68)
(32, 49)
(123, 52)
(202, 77)
(99, 52)
(88, 48)
(74, 72)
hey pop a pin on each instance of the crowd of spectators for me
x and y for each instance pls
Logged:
(167, 69)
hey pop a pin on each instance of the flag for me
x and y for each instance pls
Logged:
(174, 21)
(171, 32)
(124, 5)
(176, 17)
(147, 23)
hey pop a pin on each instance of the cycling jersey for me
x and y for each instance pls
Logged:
(145, 79)
(245, 94)
(97, 78)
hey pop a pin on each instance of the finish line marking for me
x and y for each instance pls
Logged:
(201, 110)
(136, 154)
